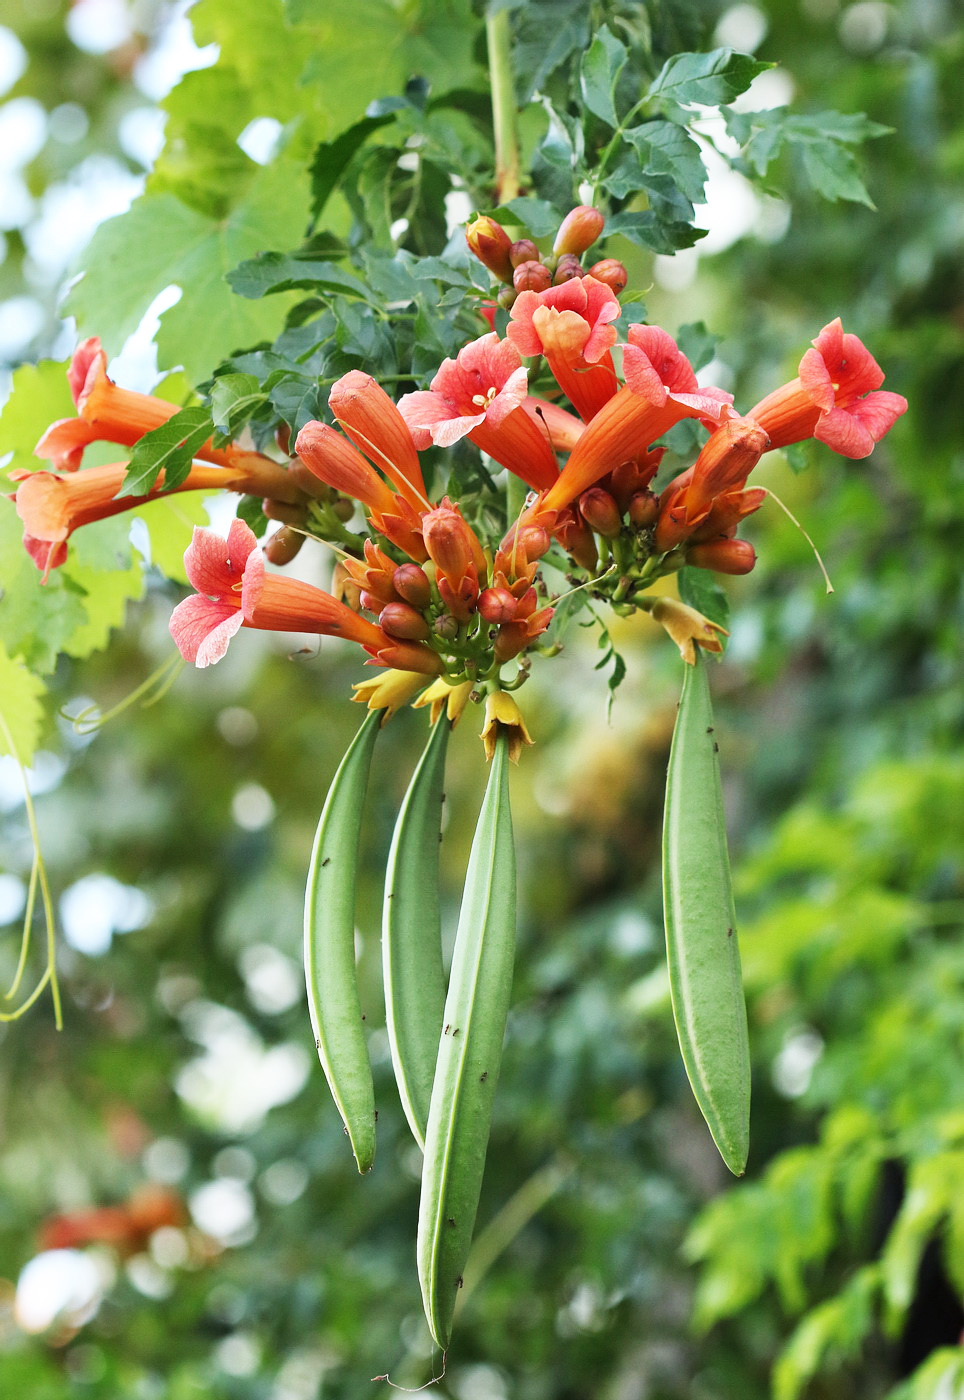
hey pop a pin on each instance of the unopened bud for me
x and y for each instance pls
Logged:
(446, 627)
(283, 545)
(497, 605)
(343, 509)
(567, 268)
(506, 298)
(403, 621)
(612, 272)
(412, 584)
(532, 277)
(281, 510)
(370, 601)
(643, 509)
(490, 243)
(601, 512)
(523, 250)
(579, 230)
(282, 436)
(723, 556)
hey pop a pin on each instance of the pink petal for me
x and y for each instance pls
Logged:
(449, 431)
(669, 362)
(512, 395)
(87, 357)
(520, 329)
(214, 565)
(421, 411)
(642, 377)
(202, 629)
(816, 380)
(854, 431)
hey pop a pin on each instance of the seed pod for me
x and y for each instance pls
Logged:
(283, 545)
(403, 621)
(411, 935)
(330, 975)
(701, 944)
(469, 1055)
(523, 251)
(532, 277)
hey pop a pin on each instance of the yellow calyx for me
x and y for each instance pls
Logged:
(442, 696)
(503, 714)
(389, 691)
(686, 626)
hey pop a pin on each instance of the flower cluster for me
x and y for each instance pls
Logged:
(422, 586)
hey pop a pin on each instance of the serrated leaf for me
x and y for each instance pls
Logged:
(664, 148)
(537, 216)
(20, 696)
(650, 231)
(160, 241)
(169, 448)
(832, 171)
(697, 343)
(268, 273)
(331, 159)
(700, 590)
(712, 79)
(39, 396)
(234, 397)
(599, 74)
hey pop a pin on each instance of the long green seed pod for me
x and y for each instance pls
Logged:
(330, 975)
(411, 934)
(701, 943)
(469, 1055)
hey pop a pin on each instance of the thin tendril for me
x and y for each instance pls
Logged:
(414, 1389)
(787, 511)
(25, 936)
(164, 677)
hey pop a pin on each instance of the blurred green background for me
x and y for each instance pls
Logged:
(619, 1263)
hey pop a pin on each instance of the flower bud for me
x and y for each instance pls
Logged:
(532, 277)
(632, 476)
(723, 556)
(370, 601)
(601, 512)
(283, 545)
(523, 250)
(643, 509)
(611, 272)
(506, 298)
(446, 627)
(497, 605)
(450, 540)
(403, 621)
(579, 230)
(577, 539)
(282, 436)
(490, 243)
(412, 583)
(567, 268)
(281, 510)
(343, 510)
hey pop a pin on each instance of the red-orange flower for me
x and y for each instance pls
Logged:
(570, 325)
(376, 427)
(833, 399)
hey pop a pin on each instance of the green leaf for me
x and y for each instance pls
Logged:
(469, 1055)
(170, 522)
(331, 159)
(160, 241)
(832, 172)
(699, 588)
(701, 944)
(650, 231)
(170, 448)
(712, 79)
(599, 74)
(250, 511)
(39, 395)
(663, 148)
(821, 141)
(537, 217)
(697, 343)
(234, 397)
(280, 272)
(20, 696)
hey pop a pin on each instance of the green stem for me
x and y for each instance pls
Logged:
(498, 35)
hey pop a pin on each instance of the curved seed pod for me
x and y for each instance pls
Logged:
(336, 1017)
(701, 945)
(469, 1055)
(411, 935)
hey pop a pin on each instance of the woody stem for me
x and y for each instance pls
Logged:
(498, 36)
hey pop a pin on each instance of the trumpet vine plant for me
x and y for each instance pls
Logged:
(476, 423)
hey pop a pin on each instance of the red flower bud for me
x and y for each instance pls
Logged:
(412, 583)
(370, 601)
(567, 268)
(490, 243)
(403, 621)
(643, 509)
(283, 545)
(532, 277)
(723, 556)
(579, 230)
(612, 272)
(523, 250)
(601, 512)
(497, 605)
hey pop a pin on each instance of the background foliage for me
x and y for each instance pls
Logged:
(624, 1266)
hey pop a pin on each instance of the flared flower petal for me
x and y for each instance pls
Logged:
(654, 365)
(202, 628)
(216, 566)
(856, 430)
(63, 443)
